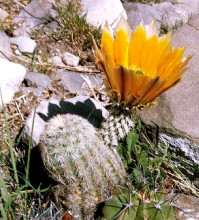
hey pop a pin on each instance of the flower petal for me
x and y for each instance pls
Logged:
(152, 29)
(141, 67)
(149, 57)
(98, 56)
(149, 84)
(123, 24)
(135, 46)
(107, 46)
(121, 48)
(113, 78)
(170, 62)
(132, 83)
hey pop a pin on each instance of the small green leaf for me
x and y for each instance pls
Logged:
(156, 161)
(131, 140)
(137, 174)
(143, 158)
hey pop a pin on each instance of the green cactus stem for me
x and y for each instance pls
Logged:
(78, 160)
(127, 203)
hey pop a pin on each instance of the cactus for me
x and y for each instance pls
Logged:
(77, 158)
(117, 125)
(140, 201)
(127, 203)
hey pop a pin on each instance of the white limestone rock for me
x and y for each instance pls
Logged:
(3, 14)
(25, 44)
(11, 76)
(99, 11)
(70, 59)
(74, 83)
(192, 7)
(34, 14)
(164, 13)
(5, 49)
(56, 60)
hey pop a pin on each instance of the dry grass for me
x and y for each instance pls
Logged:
(71, 34)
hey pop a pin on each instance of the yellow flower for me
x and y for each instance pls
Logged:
(139, 66)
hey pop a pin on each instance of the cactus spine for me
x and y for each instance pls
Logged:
(76, 157)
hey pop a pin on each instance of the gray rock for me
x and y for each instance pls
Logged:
(17, 52)
(3, 14)
(33, 15)
(189, 207)
(37, 80)
(179, 107)
(137, 13)
(50, 28)
(194, 22)
(5, 49)
(99, 11)
(165, 13)
(192, 7)
(81, 105)
(25, 44)
(184, 155)
(56, 60)
(11, 77)
(53, 13)
(36, 91)
(73, 82)
(70, 59)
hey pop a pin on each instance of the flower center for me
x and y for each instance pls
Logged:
(137, 70)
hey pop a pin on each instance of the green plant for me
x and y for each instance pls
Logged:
(78, 160)
(147, 197)
(18, 198)
(131, 203)
(73, 26)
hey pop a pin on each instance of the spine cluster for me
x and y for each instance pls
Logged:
(116, 127)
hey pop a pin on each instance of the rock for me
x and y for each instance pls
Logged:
(50, 28)
(5, 49)
(37, 80)
(53, 13)
(11, 77)
(83, 106)
(17, 52)
(3, 14)
(25, 44)
(36, 91)
(33, 15)
(188, 205)
(194, 22)
(183, 155)
(56, 60)
(70, 59)
(73, 82)
(165, 13)
(192, 7)
(99, 11)
(179, 108)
